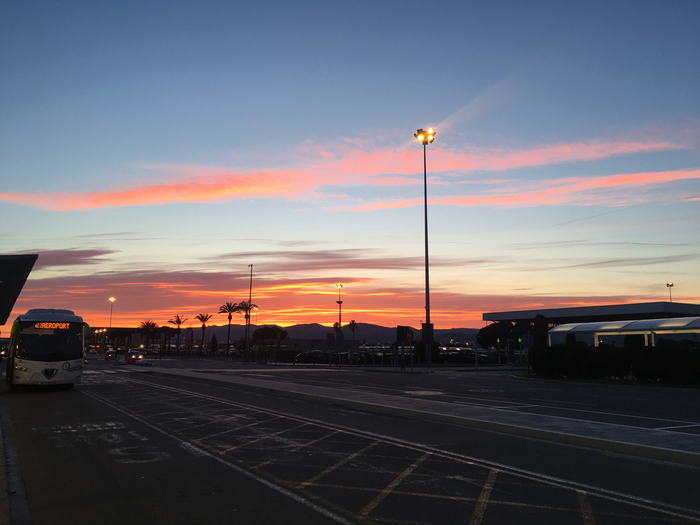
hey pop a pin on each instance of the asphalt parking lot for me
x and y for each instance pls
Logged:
(150, 448)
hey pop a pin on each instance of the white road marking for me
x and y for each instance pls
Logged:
(483, 500)
(586, 510)
(390, 488)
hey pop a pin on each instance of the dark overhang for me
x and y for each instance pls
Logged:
(14, 270)
(588, 314)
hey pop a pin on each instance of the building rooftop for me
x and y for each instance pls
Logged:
(586, 314)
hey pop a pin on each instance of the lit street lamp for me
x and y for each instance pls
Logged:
(669, 286)
(111, 307)
(426, 137)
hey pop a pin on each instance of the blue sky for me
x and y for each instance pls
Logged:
(152, 151)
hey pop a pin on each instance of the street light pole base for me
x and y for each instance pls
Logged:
(427, 336)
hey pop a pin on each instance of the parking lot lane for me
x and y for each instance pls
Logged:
(83, 461)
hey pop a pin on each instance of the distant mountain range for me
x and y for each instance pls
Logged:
(365, 332)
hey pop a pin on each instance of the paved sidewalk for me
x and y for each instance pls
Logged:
(665, 445)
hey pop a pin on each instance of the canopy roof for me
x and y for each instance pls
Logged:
(673, 325)
(14, 270)
(616, 312)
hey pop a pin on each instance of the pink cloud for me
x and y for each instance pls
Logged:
(350, 163)
(363, 159)
(578, 190)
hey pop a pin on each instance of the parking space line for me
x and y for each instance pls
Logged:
(336, 466)
(483, 500)
(229, 430)
(259, 439)
(586, 511)
(679, 426)
(301, 446)
(389, 489)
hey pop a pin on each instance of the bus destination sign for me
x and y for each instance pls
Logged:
(52, 326)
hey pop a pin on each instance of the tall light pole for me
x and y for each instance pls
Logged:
(250, 302)
(111, 306)
(340, 306)
(426, 137)
(669, 286)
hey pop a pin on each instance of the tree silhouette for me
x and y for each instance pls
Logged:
(203, 318)
(147, 327)
(245, 308)
(352, 325)
(179, 321)
(228, 308)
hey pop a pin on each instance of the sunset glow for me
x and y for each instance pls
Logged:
(564, 171)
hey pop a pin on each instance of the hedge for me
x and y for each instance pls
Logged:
(673, 362)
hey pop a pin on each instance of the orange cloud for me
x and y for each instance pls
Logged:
(198, 188)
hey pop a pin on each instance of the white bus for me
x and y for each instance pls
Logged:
(46, 348)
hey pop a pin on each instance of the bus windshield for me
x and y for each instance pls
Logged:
(49, 341)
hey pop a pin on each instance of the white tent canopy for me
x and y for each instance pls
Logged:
(646, 327)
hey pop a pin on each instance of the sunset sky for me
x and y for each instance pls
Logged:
(151, 151)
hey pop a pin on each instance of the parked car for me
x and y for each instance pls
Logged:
(109, 355)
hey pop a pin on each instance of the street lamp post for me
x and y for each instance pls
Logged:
(669, 286)
(426, 137)
(340, 306)
(111, 306)
(250, 302)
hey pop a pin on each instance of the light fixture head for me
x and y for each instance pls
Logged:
(426, 137)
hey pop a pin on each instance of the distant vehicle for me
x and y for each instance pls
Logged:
(46, 348)
(109, 355)
(135, 357)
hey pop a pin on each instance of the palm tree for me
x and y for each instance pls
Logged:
(148, 326)
(203, 318)
(177, 320)
(246, 307)
(228, 308)
(352, 325)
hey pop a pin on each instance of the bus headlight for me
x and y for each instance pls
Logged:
(21, 369)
